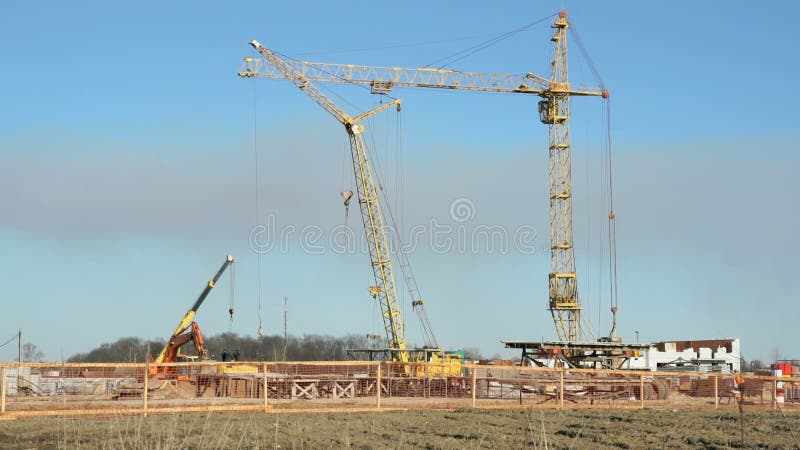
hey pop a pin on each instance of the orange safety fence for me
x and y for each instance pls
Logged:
(37, 389)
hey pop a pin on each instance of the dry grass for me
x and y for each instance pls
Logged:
(538, 429)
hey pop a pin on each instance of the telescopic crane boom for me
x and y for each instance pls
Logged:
(171, 349)
(384, 290)
(553, 109)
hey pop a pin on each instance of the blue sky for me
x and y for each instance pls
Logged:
(127, 168)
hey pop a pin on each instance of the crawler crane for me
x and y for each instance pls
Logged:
(384, 290)
(571, 325)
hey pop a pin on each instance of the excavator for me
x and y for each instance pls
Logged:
(187, 331)
(174, 345)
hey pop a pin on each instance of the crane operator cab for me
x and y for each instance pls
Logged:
(547, 112)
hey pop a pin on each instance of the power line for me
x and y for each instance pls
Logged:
(10, 340)
(391, 46)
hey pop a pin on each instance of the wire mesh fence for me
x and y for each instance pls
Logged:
(74, 389)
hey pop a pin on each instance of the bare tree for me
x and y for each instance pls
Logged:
(126, 349)
(775, 355)
(31, 353)
(473, 353)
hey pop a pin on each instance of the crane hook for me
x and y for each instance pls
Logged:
(347, 195)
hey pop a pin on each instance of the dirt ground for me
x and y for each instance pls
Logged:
(495, 429)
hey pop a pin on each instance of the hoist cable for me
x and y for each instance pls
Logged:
(405, 267)
(612, 218)
(232, 283)
(258, 202)
(608, 189)
(398, 226)
(610, 253)
(607, 181)
(588, 159)
(392, 46)
(401, 174)
(602, 241)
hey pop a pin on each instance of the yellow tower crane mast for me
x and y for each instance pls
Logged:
(555, 91)
(384, 290)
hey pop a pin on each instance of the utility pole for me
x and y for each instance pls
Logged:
(19, 346)
(285, 326)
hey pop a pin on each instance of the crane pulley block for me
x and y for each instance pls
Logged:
(381, 87)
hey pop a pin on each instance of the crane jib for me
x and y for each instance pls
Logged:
(211, 284)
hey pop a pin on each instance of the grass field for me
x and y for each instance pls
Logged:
(496, 429)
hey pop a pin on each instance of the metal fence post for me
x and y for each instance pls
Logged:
(716, 392)
(3, 387)
(444, 371)
(561, 388)
(427, 366)
(474, 385)
(144, 389)
(378, 386)
(63, 393)
(774, 393)
(641, 391)
(266, 389)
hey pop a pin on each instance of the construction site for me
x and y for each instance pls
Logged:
(420, 379)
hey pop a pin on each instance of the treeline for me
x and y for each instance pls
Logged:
(127, 349)
(310, 347)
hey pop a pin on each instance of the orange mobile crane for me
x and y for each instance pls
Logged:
(188, 331)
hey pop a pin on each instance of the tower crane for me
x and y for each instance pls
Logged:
(554, 111)
(384, 290)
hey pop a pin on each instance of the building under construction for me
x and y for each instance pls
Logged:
(709, 355)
